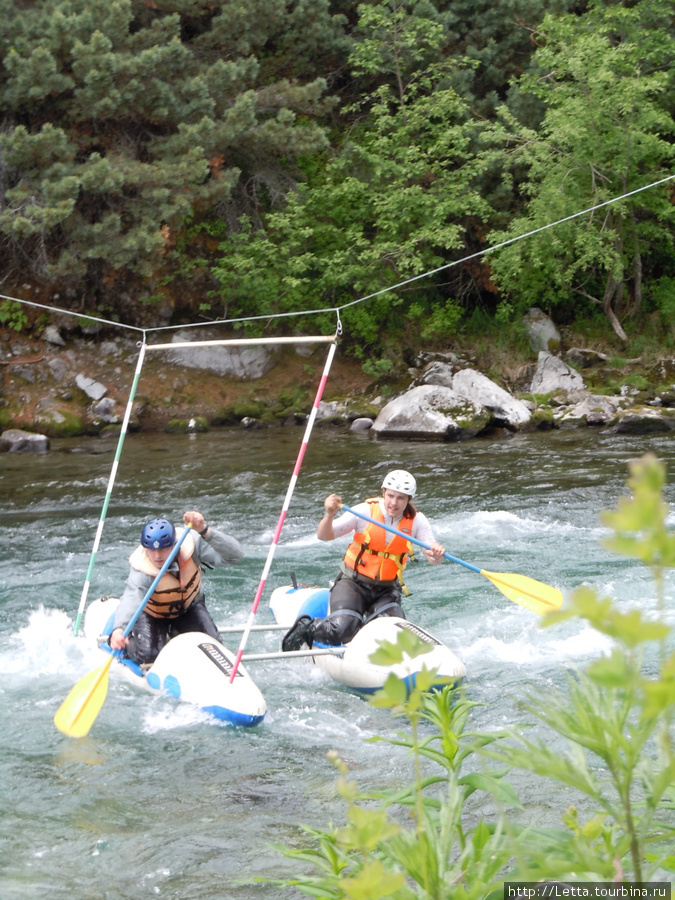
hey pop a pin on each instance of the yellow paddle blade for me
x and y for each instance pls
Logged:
(534, 595)
(78, 711)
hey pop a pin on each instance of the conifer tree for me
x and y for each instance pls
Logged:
(122, 119)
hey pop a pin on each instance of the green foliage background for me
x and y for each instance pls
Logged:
(243, 160)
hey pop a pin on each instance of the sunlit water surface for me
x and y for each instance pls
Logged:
(160, 799)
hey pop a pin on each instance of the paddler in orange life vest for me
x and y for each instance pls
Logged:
(370, 582)
(177, 605)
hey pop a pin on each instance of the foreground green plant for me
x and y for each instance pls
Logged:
(376, 854)
(614, 719)
(619, 711)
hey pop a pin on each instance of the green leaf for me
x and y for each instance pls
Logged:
(373, 881)
(499, 789)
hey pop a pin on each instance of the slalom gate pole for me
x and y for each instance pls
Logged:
(282, 516)
(111, 482)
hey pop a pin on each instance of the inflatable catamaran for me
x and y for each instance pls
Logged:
(351, 664)
(193, 667)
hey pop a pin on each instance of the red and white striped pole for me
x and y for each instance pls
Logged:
(284, 510)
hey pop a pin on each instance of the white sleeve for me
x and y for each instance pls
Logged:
(422, 529)
(349, 522)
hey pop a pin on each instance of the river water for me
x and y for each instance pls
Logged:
(159, 800)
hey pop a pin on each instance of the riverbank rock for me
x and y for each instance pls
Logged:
(57, 419)
(361, 424)
(431, 412)
(592, 410)
(553, 374)
(664, 369)
(246, 363)
(52, 335)
(470, 385)
(93, 389)
(585, 359)
(643, 420)
(541, 331)
(70, 386)
(507, 411)
(16, 441)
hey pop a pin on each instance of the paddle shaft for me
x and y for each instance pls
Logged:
(410, 538)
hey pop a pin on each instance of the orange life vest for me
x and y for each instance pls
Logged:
(172, 596)
(377, 553)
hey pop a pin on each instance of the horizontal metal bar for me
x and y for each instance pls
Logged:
(290, 654)
(237, 629)
(243, 342)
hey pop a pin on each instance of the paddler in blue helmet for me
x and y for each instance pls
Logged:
(370, 581)
(177, 604)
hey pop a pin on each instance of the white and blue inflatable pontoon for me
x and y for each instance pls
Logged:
(351, 665)
(193, 667)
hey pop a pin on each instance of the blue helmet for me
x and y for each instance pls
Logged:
(158, 534)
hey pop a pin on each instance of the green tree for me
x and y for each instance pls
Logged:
(396, 40)
(393, 202)
(606, 131)
(123, 119)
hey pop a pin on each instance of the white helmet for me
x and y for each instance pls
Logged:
(401, 481)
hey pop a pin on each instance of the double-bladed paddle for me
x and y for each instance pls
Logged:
(534, 595)
(78, 711)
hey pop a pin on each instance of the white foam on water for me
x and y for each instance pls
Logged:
(587, 644)
(501, 527)
(46, 646)
(168, 715)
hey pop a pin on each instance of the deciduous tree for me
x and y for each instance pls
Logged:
(391, 203)
(607, 131)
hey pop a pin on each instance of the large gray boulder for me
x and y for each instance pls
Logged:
(553, 374)
(506, 410)
(243, 363)
(433, 412)
(16, 441)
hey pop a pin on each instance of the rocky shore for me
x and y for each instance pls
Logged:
(67, 384)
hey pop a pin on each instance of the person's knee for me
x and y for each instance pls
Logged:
(146, 640)
(338, 628)
(197, 618)
(393, 609)
(385, 607)
(142, 649)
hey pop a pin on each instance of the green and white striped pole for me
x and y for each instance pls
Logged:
(111, 482)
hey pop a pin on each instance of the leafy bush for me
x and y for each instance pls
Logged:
(13, 315)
